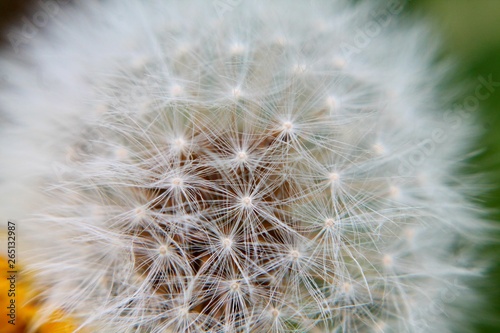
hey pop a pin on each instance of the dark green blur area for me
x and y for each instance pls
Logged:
(470, 31)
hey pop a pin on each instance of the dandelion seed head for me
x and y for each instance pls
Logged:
(179, 143)
(253, 175)
(139, 213)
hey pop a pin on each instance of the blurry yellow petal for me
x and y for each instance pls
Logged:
(28, 312)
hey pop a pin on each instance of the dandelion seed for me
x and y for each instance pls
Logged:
(177, 182)
(294, 254)
(242, 156)
(163, 250)
(176, 90)
(235, 287)
(287, 126)
(329, 223)
(333, 177)
(227, 243)
(388, 260)
(246, 202)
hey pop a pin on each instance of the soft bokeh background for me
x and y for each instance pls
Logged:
(470, 31)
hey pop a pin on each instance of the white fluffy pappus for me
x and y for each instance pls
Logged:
(236, 166)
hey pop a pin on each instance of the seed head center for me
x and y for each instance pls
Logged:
(287, 126)
(329, 223)
(242, 156)
(176, 90)
(246, 201)
(333, 177)
(163, 250)
(227, 242)
(179, 142)
(295, 254)
(139, 213)
(387, 260)
(177, 181)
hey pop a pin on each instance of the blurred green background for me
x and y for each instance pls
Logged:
(470, 33)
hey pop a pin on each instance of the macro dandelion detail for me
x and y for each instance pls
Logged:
(251, 169)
